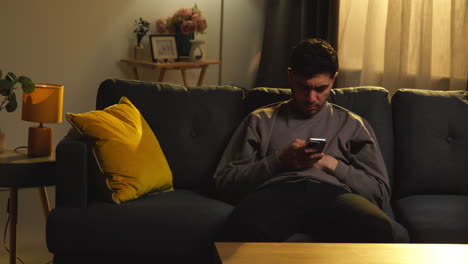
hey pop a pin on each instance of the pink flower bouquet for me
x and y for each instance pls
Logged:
(184, 20)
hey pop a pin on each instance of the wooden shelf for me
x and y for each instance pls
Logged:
(165, 66)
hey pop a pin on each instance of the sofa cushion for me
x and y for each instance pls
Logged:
(179, 222)
(129, 155)
(434, 218)
(431, 142)
(193, 125)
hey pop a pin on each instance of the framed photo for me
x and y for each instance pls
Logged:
(163, 47)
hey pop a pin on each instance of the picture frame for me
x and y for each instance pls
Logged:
(163, 48)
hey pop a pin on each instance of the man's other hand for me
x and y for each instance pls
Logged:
(297, 156)
(327, 163)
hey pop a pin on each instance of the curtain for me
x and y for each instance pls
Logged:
(396, 44)
(287, 23)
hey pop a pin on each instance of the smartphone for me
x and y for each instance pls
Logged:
(318, 144)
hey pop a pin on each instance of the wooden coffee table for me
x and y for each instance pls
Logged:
(337, 253)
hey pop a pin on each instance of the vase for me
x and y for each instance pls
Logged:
(2, 142)
(183, 44)
(196, 51)
(139, 52)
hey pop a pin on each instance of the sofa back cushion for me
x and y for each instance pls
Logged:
(370, 102)
(431, 141)
(193, 125)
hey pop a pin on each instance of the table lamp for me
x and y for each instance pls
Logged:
(44, 105)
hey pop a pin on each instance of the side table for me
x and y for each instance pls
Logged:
(18, 170)
(165, 66)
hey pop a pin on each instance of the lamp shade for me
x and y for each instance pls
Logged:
(44, 105)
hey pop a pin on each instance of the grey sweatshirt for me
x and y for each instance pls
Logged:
(250, 160)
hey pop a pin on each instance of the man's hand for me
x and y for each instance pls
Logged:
(327, 163)
(297, 156)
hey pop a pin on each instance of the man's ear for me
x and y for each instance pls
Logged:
(334, 79)
(334, 76)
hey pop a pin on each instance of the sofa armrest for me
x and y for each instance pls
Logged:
(71, 179)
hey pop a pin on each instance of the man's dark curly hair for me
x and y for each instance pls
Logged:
(314, 56)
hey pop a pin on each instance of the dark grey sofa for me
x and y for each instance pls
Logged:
(423, 137)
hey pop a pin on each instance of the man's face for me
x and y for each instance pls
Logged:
(310, 93)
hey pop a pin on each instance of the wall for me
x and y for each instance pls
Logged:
(79, 44)
(242, 41)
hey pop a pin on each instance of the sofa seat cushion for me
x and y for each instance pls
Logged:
(178, 222)
(434, 218)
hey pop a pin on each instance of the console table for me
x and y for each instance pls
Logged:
(165, 66)
(340, 253)
(18, 170)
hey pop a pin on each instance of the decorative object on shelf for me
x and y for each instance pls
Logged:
(163, 48)
(142, 27)
(44, 105)
(196, 51)
(139, 52)
(184, 44)
(184, 23)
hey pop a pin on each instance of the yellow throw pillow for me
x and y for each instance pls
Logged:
(127, 151)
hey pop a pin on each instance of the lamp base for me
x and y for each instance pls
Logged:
(40, 141)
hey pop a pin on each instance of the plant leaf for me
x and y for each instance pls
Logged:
(5, 87)
(1, 73)
(27, 84)
(12, 104)
(11, 77)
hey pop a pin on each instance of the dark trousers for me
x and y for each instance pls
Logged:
(324, 212)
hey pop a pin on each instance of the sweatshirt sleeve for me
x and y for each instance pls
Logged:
(243, 166)
(364, 170)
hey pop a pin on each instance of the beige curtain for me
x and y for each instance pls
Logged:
(396, 44)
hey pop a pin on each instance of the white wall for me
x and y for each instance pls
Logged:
(242, 41)
(79, 44)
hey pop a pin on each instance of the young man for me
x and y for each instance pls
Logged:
(282, 186)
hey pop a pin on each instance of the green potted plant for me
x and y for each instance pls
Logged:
(142, 27)
(8, 84)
